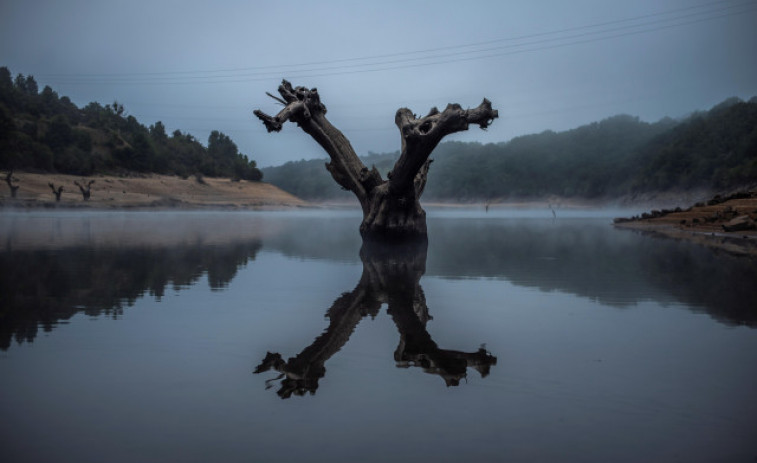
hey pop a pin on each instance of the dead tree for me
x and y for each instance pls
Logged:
(57, 192)
(391, 207)
(9, 179)
(86, 192)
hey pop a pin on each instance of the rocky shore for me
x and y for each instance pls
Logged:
(725, 222)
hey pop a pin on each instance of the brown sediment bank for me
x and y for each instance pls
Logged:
(724, 222)
(146, 191)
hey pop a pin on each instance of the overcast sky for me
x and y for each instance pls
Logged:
(544, 64)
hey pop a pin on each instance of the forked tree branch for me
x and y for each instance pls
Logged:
(391, 208)
(421, 135)
(303, 106)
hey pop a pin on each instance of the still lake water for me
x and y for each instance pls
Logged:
(263, 336)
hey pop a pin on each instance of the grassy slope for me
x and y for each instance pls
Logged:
(147, 191)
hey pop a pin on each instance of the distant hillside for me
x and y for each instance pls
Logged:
(717, 149)
(310, 179)
(41, 131)
(620, 155)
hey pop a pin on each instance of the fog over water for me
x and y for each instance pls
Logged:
(233, 335)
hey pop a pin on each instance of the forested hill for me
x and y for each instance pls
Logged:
(41, 131)
(716, 149)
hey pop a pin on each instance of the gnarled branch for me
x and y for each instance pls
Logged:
(303, 106)
(421, 135)
(57, 192)
(391, 208)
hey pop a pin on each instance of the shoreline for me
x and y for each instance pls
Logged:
(154, 191)
(702, 223)
(725, 223)
(148, 192)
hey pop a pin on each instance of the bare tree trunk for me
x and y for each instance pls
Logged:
(391, 207)
(57, 192)
(86, 192)
(9, 179)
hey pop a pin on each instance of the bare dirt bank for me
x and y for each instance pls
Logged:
(146, 192)
(727, 223)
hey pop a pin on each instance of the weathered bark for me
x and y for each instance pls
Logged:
(9, 179)
(391, 276)
(391, 207)
(57, 192)
(86, 192)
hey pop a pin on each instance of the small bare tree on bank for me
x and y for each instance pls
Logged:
(57, 192)
(86, 192)
(391, 208)
(9, 179)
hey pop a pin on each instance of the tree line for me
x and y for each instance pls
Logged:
(617, 156)
(42, 131)
(716, 149)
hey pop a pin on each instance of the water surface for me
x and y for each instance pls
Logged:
(254, 336)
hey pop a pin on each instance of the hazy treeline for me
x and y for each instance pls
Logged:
(617, 156)
(717, 149)
(42, 131)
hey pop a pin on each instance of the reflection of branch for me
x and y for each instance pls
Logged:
(300, 374)
(417, 349)
(391, 275)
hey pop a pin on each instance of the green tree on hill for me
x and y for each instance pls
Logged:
(715, 149)
(45, 132)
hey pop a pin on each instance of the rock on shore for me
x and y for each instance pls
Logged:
(727, 222)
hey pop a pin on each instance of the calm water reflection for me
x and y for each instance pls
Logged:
(131, 336)
(391, 276)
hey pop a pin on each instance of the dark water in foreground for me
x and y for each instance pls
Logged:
(228, 336)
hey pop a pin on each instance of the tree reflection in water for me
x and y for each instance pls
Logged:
(391, 275)
(45, 288)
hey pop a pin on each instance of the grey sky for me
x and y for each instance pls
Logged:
(544, 64)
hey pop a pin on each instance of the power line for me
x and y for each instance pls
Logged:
(498, 54)
(720, 4)
(441, 55)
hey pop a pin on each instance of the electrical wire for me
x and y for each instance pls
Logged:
(433, 56)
